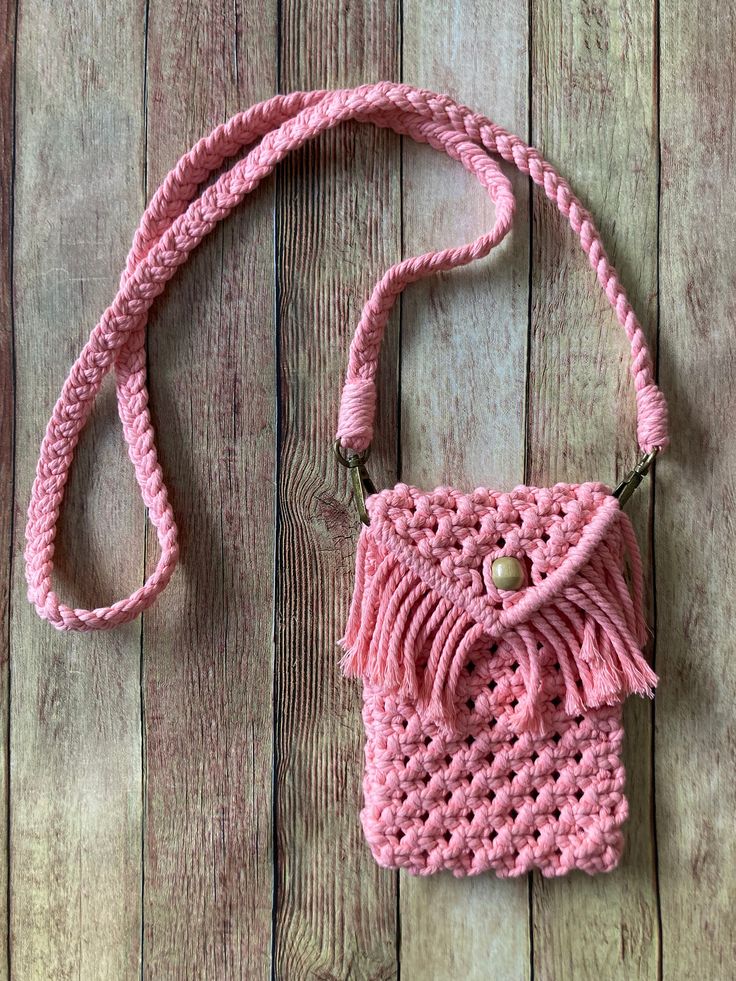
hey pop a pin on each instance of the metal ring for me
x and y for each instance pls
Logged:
(354, 460)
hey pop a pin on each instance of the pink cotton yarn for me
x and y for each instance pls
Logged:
(483, 797)
(492, 716)
(179, 217)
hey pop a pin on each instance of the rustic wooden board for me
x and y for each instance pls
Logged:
(339, 222)
(75, 749)
(208, 648)
(7, 416)
(183, 793)
(464, 334)
(695, 726)
(594, 115)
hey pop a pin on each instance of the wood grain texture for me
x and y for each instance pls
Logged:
(75, 751)
(463, 382)
(594, 115)
(338, 229)
(695, 741)
(208, 648)
(183, 794)
(7, 419)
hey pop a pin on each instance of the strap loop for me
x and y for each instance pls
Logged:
(177, 219)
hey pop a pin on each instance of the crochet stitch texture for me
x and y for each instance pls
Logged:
(485, 797)
(497, 746)
(492, 715)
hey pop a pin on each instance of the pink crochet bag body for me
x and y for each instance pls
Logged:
(496, 633)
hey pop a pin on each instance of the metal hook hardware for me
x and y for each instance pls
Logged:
(633, 478)
(363, 486)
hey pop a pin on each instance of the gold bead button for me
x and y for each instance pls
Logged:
(507, 573)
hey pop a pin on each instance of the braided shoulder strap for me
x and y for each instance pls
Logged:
(179, 217)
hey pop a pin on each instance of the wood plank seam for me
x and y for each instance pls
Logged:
(8, 69)
(651, 524)
(141, 634)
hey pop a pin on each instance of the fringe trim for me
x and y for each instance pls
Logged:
(402, 635)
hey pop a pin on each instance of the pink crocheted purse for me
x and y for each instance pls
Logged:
(496, 633)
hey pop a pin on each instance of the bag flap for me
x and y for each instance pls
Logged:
(451, 539)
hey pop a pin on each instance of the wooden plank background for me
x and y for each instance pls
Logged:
(180, 796)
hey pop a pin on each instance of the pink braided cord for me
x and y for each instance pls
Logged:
(176, 221)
